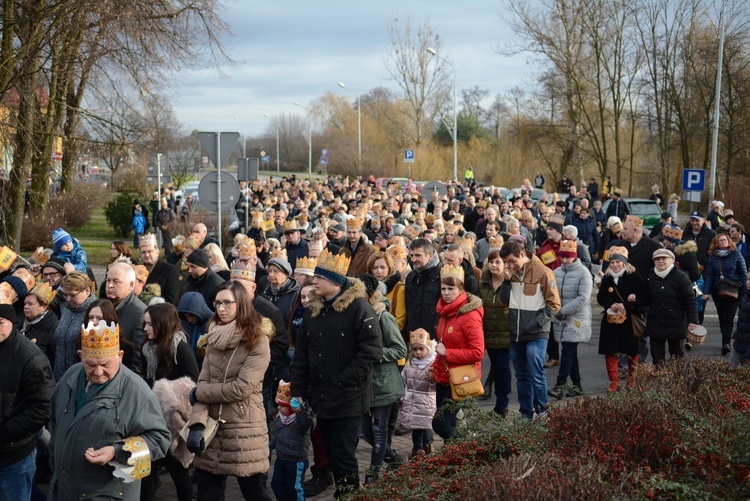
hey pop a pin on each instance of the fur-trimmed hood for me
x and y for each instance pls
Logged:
(684, 247)
(267, 328)
(472, 303)
(353, 290)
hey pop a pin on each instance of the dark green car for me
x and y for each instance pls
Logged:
(646, 209)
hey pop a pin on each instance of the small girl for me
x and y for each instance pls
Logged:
(419, 404)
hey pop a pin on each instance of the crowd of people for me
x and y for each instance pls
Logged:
(339, 315)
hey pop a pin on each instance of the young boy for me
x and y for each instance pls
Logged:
(292, 444)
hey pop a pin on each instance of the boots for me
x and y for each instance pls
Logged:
(614, 379)
(556, 392)
(346, 485)
(632, 371)
(321, 479)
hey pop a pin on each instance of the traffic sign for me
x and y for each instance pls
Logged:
(266, 159)
(247, 170)
(230, 191)
(409, 156)
(57, 156)
(228, 141)
(693, 179)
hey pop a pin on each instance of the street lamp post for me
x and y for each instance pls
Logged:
(454, 129)
(278, 164)
(309, 142)
(359, 128)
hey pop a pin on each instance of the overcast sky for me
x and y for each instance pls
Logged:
(297, 50)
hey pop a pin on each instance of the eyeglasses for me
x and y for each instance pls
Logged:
(224, 304)
(68, 295)
(49, 275)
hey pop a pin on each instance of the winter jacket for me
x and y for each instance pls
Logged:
(173, 397)
(618, 208)
(139, 223)
(124, 407)
(130, 311)
(618, 338)
(77, 257)
(495, 321)
(471, 284)
(460, 330)
(731, 267)
(396, 294)
(587, 232)
(283, 298)
(419, 405)
(703, 239)
(640, 255)
(672, 305)
(279, 366)
(26, 386)
(206, 284)
(387, 386)
(292, 441)
(422, 294)
(686, 258)
(572, 324)
(296, 251)
(741, 335)
(42, 334)
(532, 302)
(362, 253)
(168, 278)
(240, 448)
(193, 303)
(339, 342)
(548, 253)
(68, 334)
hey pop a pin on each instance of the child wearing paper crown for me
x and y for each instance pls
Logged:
(292, 444)
(419, 405)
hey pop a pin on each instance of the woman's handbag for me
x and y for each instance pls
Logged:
(212, 425)
(465, 382)
(727, 288)
(637, 322)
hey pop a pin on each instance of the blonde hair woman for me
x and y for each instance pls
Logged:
(216, 260)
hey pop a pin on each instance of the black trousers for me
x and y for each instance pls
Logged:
(340, 437)
(659, 353)
(726, 307)
(211, 487)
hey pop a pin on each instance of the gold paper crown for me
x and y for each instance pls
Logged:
(306, 264)
(412, 231)
(353, 223)
(622, 251)
(279, 253)
(149, 239)
(315, 244)
(141, 272)
(495, 242)
(674, 232)
(338, 264)
(291, 226)
(397, 251)
(635, 221)
(450, 271)
(239, 272)
(257, 216)
(7, 258)
(44, 291)
(247, 249)
(100, 341)
(39, 256)
(557, 218)
(6, 293)
(24, 275)
(419, 336)
(569, 246)
(284, 393)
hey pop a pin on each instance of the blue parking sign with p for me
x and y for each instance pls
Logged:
(408, 156)
(693, 179)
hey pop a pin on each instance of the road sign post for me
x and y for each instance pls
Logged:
(212, 143)
(693, 184)
(409, 159)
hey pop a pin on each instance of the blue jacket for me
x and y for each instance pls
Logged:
(139, 223)
(732, 267)
(194, 304)
(77, 257)
(587, 232)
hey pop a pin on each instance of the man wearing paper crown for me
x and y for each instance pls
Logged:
(166, 275)
(356, 248)
(338, 343)
(103, 416)
(296, 246)
(26, 386)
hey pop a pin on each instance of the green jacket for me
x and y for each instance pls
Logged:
(387, 385)
(496, 331)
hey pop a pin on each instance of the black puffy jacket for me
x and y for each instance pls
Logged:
(672, 305)
(422, 295)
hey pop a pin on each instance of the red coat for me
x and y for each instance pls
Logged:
(460, 330)
(549, 253)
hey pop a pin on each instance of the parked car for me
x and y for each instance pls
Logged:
(648, 210)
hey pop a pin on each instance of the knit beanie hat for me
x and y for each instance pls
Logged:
(371, 283)
(60, 237)
(18, 285)
(7, 312)
(56, 263)
(281, 264)
(199, 258)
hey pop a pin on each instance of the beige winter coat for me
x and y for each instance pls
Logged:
(240, 448)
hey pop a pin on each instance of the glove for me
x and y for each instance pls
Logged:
(559, 316)
(192, 398)
(296, 404)
(195, 442)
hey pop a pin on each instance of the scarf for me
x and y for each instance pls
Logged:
(28, 323)
(616, 276)
(722, 252)
(149, 353)
(663, 274)
(288, 419)
(223, 337)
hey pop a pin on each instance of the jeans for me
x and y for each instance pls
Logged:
(340, 438)
(500, 366)
(16, 479)
(211, 487)
(569, 365)
(528, 361)
(375, 432)
(444, 422)
(726, 307)
(287, 479)
(420, 438)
